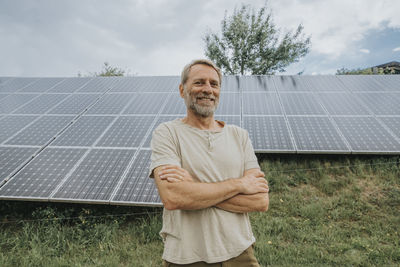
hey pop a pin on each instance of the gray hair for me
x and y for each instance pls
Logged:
(186, 69)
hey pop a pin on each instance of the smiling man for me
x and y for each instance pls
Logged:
(208, 179)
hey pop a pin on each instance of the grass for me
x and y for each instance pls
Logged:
(324, 211)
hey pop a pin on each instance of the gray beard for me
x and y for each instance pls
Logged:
(203, 111)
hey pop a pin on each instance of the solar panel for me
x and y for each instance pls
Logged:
(41, 104)
(137, 187)
(12, 102)
(99, 85)
(316, 134)
(74, 104)
(41, 131)
(360, 82)
(268, 133)
(258, 83)
(10, 125)
(111, 104)
(96, 176)
(301, 104)
(69, 85)
(229, 84)
(365, 134)
(42, 85)
(174, 105)
(84, 132)
(393, 123)
(261, 104)
(127, 131)
(146, 103)
(88, 139)
(11, 158)
(381, 103)
(39, 178)
(16, 84)
(229, 104)
(343, 104)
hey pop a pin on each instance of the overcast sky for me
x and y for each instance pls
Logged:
(158, 37)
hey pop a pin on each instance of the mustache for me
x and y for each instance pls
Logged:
(202, 95)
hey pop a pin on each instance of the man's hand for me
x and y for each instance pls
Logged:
(253, 183)
(173, 173)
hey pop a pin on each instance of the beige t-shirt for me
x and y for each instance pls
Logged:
(211, 234)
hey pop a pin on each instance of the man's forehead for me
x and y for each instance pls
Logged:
(202, 71)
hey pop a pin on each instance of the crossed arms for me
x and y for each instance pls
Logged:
(178, 190)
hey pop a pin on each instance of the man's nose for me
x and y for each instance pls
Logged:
(207, 88)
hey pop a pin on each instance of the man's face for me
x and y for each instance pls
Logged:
(201, 90)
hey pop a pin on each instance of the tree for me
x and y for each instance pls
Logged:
(108, 71)
(250, 44)
(367, 71)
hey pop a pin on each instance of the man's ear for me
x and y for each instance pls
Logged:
(181, 89)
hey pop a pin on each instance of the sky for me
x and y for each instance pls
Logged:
(54, 38)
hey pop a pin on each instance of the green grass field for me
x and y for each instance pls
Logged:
(324, 211)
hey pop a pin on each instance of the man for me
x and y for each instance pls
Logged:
(208, 179)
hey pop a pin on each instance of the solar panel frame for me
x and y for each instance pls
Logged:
(12, 159)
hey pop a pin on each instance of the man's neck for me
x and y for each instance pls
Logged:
(200, 122)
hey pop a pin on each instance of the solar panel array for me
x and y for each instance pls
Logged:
(88, 139)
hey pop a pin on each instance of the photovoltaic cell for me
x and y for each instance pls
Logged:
(137, 187)
(343, 104)
(74, 104)
(229, 104)
(381, 103)
(151, 84)
(12, 102)
(111, 104)
(230, 84)
(9, 125)
(11, 158)
(96, 176)
(393, 123)
(125, 85)
(69, 85)
(42, 85)
(40, 177)
(175, 105)
(360, 82)
(388, 82)
(41, 131)
(291, 83)
(126, 132)
(146, 103)
(316, 134)
(261, 104)
(301, 104)
(3, 95)
(41, 104)
(100, 85)
(321, 83)
(84, 132)
(268, 133)
(366, 134)
(16, 84)
(257, 83)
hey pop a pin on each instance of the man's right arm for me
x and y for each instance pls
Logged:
(189, 195)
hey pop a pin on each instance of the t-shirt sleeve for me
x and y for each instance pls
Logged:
(250, 159)
(164, 149)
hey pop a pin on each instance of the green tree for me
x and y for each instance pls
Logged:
(109, 70)
(250, 44)
(367, 71)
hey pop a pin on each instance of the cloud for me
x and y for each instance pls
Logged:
(365, 51)
(397, 49)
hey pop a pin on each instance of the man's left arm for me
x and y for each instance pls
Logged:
(246, 203)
